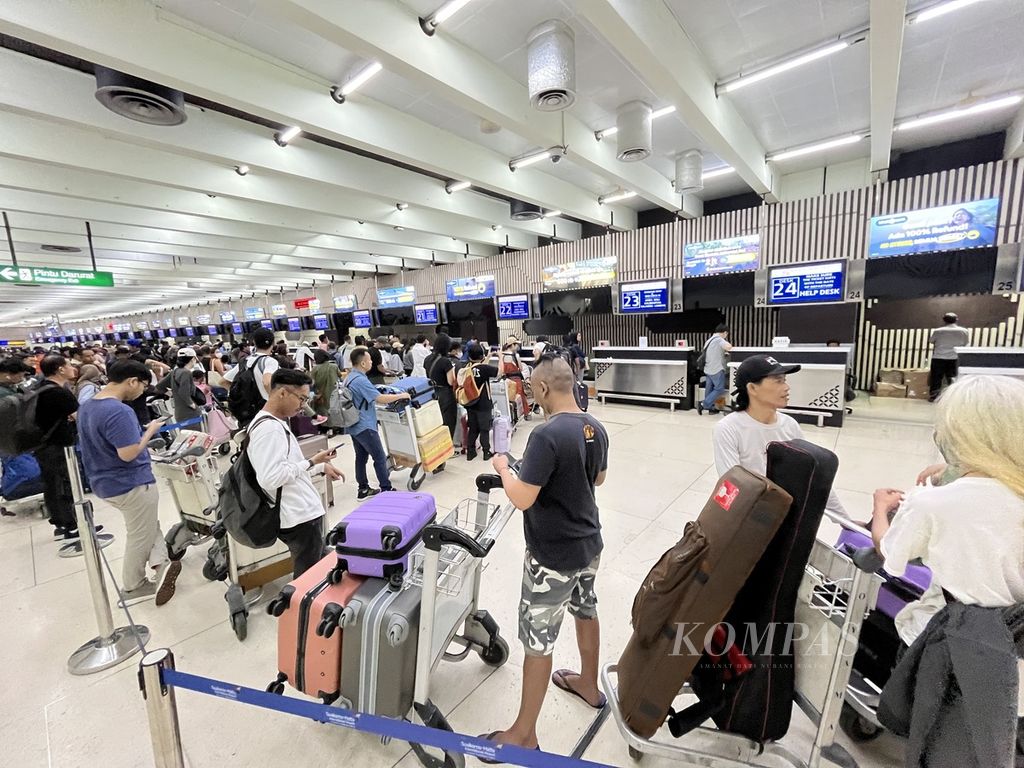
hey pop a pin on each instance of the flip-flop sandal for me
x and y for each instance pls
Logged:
(490, 737)
(560, 682)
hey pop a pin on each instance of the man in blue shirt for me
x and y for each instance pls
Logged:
(365, 438)
(116, 461)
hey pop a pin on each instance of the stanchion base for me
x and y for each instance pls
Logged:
(74, 549)
(104, 652)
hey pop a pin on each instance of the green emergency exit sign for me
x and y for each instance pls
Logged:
(57, 276)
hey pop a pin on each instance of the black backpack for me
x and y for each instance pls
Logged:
(243, 507)
(244, 398)
(21, 434)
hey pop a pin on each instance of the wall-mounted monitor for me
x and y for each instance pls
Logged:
(294, 324)
(426, 314)
(145, 335)
(160, 333)
(268, 324)
(189, 331)
(945, 228)
(344, 303)
(931, 274)
(172, 332)
(361, 318)
(389, 317)
(588, 301)
(202, 319)
(815, 283)
(514, 307)
(213, 330)
(580, 274)
(644, 297)
(399, 296)
(236, 328)
(716, 257)
(321, 322)
(463, 288)
(154, 324)
(717, 291)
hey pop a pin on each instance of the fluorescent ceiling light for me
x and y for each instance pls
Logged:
(288, 134)
(441, 15)
(613, 129)
(525, 160)
(716, 172)
(242, 170)
(819, 147)
(615, 197)
(939, 9)
(954, 114)
(552, 214)
(456, 186)
(340, 92)
(783, 66)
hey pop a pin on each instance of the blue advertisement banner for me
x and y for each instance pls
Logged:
(716, 257)
(806, 283)
(400, 296)
(464, 288)
(946, 228)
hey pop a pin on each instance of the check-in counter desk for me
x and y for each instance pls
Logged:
(982, 361)
(817, 392)
(644, 374)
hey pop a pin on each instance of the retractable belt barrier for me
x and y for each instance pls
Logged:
(422, 735)
(181, 424)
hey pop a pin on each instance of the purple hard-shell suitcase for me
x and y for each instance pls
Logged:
(896, 591)
(420, 389)
(375, 539)
(501, 435)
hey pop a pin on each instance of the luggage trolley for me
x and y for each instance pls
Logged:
(834, 597)
(448, 567)
(412, 442)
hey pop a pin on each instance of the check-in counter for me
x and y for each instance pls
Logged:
(643, 374)
(982, 361)
(817, 392)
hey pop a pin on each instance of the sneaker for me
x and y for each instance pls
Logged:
(70, 534)
(365, 493)
(137, 595)
(488, 455)
(318, 420)
(165, 579)
(470, 456)
(700, 409)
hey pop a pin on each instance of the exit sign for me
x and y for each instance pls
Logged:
(57, 276)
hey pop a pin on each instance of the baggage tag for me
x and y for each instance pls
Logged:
(726, 494)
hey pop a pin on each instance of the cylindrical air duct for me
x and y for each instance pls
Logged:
(689, 171)
(633, 122)
(551, 65)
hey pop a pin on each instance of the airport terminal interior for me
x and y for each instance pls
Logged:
(728, 292)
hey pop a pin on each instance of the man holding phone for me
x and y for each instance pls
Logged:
(116, 459)
(280, 467)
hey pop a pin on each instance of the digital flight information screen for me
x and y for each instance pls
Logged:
(643, 297)
(426, 314)
(516, 307)
(807, 283)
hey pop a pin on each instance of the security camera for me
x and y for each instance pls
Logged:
(557, 153)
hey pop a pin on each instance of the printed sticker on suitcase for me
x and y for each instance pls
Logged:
(726, 494)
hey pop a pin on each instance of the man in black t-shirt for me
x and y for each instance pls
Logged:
(54, 408)
(480, 415)
(565, 459)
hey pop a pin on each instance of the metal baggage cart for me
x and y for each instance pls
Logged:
(834, 597)
(448, 567)
(398, 433)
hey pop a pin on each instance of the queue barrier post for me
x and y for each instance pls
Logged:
(161, 709)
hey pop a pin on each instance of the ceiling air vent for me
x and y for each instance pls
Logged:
(551, 66)
(521, 211)
(634, 131)
(139, 99)
(60, 248)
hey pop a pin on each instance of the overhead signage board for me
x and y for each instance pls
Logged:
(816, 283)
(227, 317)
(643, 297)
(399, 296)
(313, 305)
(426, 314)
(183, 321)
(514, 307)
(45, 276)
(591, 273)
(255, 313)
(716, 257)
(361, 318)
(303, 303)
(278, 310)
(202, 319)
(946, 228)
(344, 303)
(465, 288)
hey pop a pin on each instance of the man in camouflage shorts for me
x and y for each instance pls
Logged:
(565, 459)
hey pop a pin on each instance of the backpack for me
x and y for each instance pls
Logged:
(467, 390)
(342, 412)
(21, 434)
(243, 507)
(244, 398)
(702, 358)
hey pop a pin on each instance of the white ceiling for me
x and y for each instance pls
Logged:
(170, 215)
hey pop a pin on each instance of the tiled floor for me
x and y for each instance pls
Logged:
(660, 474)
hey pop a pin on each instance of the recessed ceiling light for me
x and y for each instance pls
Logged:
(288, 134)
(495, 227)
(821, 146)
(954, 114)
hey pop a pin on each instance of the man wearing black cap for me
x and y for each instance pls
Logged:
(742, 437)
(945, 364)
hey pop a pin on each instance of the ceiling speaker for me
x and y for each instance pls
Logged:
(689, 171)
(551, 65)
(139, 99)
(633, 122)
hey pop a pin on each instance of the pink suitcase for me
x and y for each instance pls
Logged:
(308, 612)
(375, 539)
(501, 435)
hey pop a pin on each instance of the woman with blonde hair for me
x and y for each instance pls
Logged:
(970, 532)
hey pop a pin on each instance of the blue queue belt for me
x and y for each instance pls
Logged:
(448, 741)
(181, 424)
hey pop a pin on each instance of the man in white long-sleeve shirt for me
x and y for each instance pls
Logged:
(280, 466)
(742, 437)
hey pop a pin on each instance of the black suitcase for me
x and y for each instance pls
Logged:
(758, 702)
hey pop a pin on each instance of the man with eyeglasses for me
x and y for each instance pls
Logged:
(277, 459)
(742, 437)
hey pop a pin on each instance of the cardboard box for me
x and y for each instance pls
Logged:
(890, 376)
(916, 381)
(884, 389)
